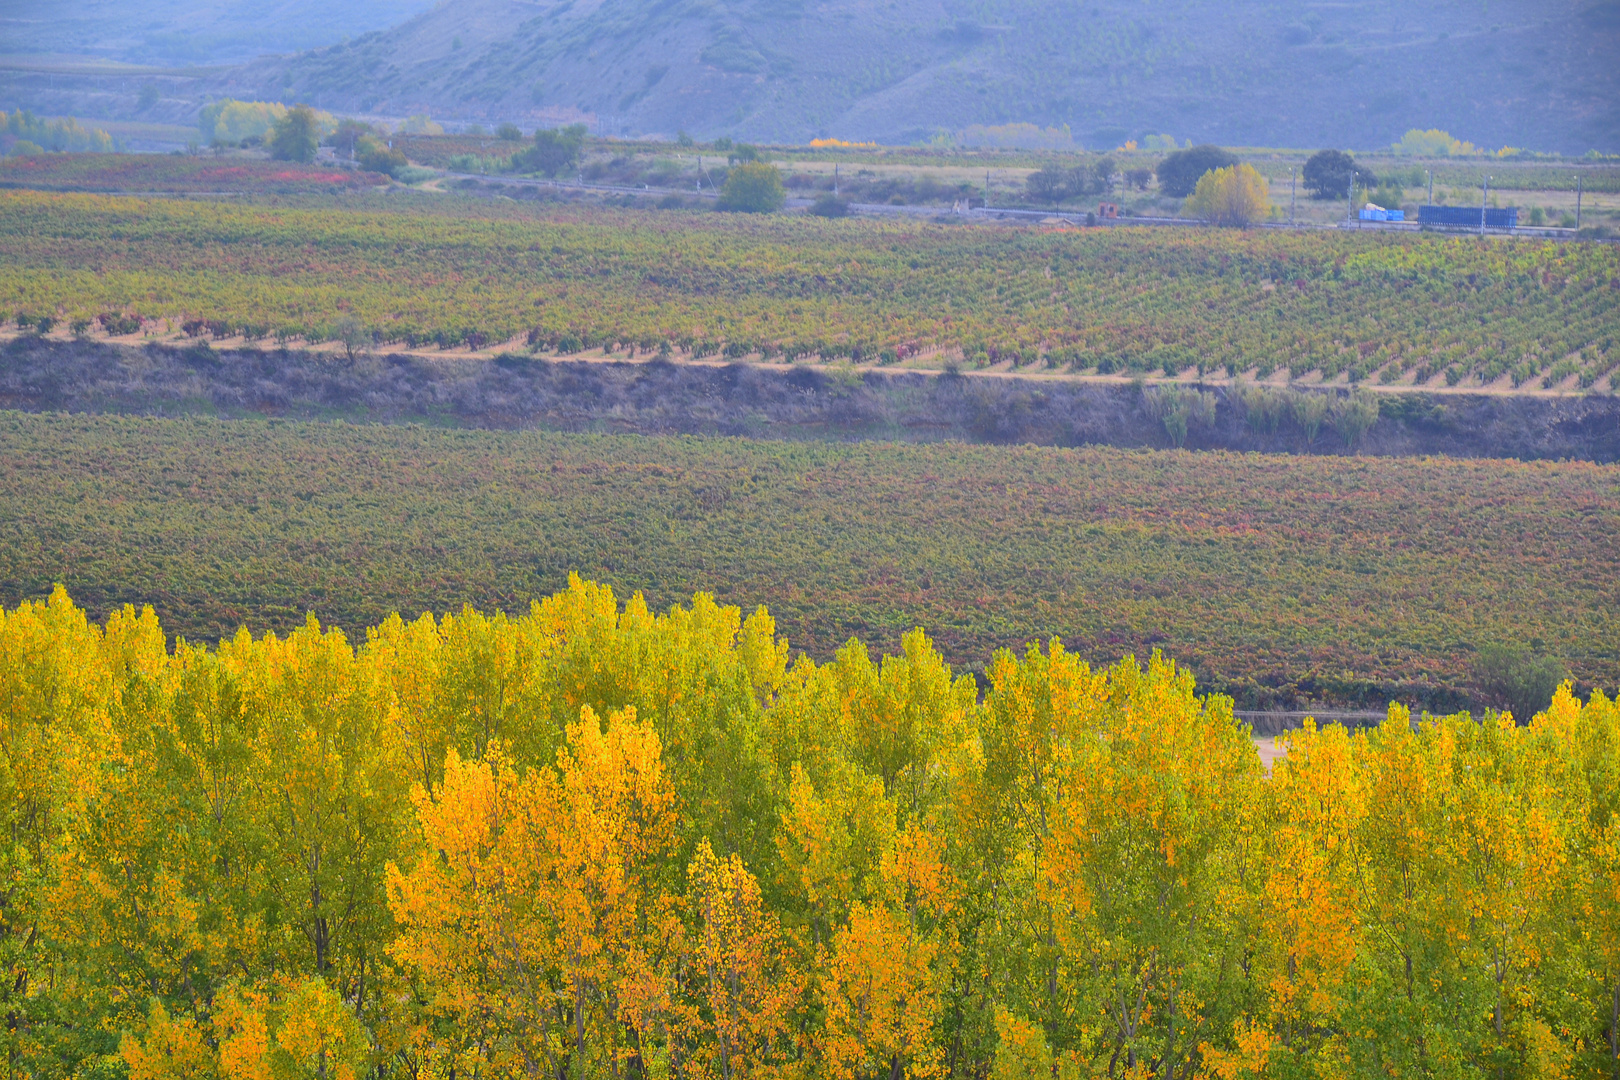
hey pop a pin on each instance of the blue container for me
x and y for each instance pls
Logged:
(1506, 217)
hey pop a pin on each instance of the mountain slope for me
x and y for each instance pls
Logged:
(179, 32)
(1537, 73)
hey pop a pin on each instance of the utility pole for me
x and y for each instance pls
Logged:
(1350, 198)
(1483, 202)
(835, 179)
(1578, 179)
(1430, 172)
(1290, 194)
(987, 189)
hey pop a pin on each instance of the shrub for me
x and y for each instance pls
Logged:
(1353, 415)
(1179, 172)
(1179, 409)
(377, 157)
(1309, 411)
(753, 187)
(1263, 407)
(118, 323)
(828, 205)
(509, 133)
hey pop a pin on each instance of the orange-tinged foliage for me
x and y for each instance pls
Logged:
(598, 841)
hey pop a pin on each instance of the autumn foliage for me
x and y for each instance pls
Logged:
(597, 841)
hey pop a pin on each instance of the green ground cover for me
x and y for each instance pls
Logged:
(1275, 578)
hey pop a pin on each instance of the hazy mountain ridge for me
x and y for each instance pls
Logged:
(182, 32)
(1256, 72)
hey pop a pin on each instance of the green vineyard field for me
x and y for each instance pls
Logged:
(1401, 309)
(1274, 578)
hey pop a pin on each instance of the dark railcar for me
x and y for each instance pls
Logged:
(1506, 217)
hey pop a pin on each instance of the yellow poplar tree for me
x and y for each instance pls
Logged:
(1236, 196)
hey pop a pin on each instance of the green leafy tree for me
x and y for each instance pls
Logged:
(346, 139)
(1514, 678)
(1050, 185)
(296, 136)
(554, 150)
(1179, 172)
(1328, 173)
(377, 156)
(509, 133)
(753, 187)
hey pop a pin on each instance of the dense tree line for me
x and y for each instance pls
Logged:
(596, 841)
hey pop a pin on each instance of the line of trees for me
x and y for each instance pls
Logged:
(594, 841)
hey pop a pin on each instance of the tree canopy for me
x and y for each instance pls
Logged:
(1236, 196)
(1179, 172)
(554, 150)
(296, 136)
(594, 840)
(1328, 173)
(753, 187)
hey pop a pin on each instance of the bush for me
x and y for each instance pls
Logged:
(828, 205)
(1179, 172)
(1178, 409)
(1309, 410)
(1353, 415)
(1512, 678)
(377, 157)
(753, 187)
(1235, 196)
(509, 133)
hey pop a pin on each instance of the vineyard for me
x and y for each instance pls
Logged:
(1399, 309)
(1275, 578)
(593, 841)
(175, 173)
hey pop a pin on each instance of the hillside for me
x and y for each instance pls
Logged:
(1537, 73)
(189, 31)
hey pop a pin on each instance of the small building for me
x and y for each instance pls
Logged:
(1107, 210)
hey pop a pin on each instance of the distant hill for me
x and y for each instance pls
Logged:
(1538, 73)
(169, 33)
